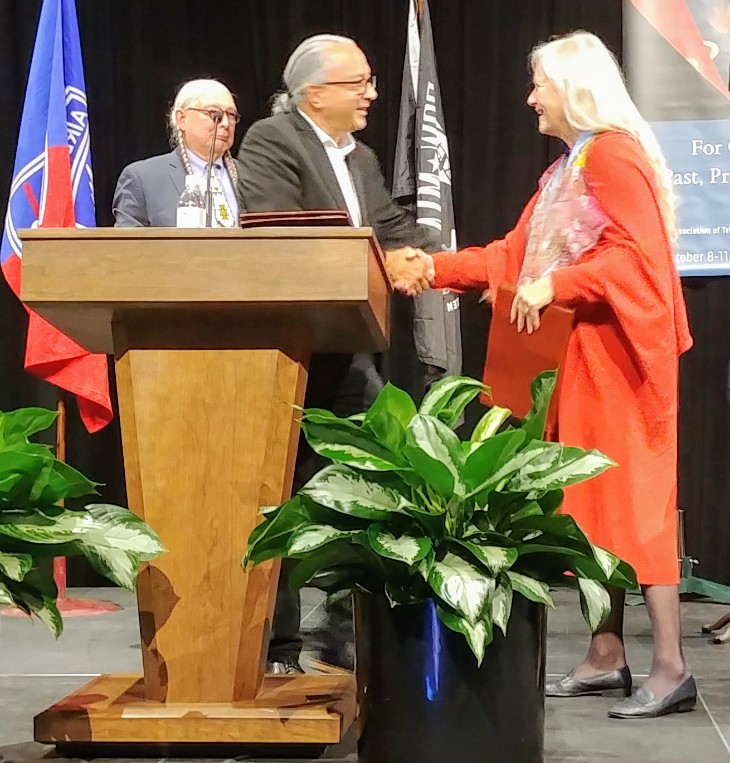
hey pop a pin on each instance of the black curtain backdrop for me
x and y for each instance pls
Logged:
(137, 53)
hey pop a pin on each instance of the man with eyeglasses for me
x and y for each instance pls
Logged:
(304, 157)
(147, 191)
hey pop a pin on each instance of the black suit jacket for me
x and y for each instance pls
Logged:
(284, 167)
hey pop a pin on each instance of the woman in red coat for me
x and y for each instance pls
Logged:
(598, 236)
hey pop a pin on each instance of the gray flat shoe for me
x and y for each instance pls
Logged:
(570, 686)
(641, 704)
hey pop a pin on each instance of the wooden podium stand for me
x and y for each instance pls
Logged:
(211, 331)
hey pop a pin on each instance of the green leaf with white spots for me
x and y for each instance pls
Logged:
(534, 590)
(607, 561)
(15, 566)
(35, 527)
(37, 594)
(121, 529)
(112, 538)
(425, 566)
(436, 454)
(546, 455)
(502, 603)
(309, 537)
(346, 443)
(322, 416)
(595, 603)
(575, 465)
(495, 558)
(405, 548)
(504, 469)
(46, 610)
(269, 538)
(489, 424)
(485, 459)
(461, 585)
(348, 491)
(120, 566)
(447, 398)
(478, 635)
(6, 600)
(541, 389)
(558, 525)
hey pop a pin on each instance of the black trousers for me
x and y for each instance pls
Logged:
(344, 384)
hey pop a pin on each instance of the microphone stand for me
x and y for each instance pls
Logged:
(217, 117)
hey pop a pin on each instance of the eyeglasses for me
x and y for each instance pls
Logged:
(360, 85)
(217, 114)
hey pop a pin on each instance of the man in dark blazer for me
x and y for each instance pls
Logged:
(285, 158)
(147, 191)
(303, 157)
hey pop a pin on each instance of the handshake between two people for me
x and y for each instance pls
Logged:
(411, 270)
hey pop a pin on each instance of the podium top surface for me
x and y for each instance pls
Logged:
(329, 278)
(266, 232)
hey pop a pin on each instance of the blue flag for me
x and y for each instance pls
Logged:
(52, 186)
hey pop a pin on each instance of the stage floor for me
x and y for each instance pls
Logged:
(36, 671)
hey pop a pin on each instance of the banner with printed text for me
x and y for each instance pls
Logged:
(677, 62)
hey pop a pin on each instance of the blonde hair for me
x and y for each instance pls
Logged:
(595, 99)
(187, 95)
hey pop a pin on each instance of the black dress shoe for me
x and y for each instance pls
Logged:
(288, 666)
(641, 704)
(570, 686)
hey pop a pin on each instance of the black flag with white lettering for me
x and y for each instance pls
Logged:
(422, 183)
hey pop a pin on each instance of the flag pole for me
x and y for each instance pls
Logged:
(59, 562)
(71, 607)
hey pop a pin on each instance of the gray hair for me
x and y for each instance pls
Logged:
(188, 94)
(306, 66)
(595, 99)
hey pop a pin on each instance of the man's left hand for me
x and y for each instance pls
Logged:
(528, 302)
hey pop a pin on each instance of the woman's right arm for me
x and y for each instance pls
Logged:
(481, 267)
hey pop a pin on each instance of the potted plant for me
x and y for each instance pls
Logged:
(451, 547)
(35, 526)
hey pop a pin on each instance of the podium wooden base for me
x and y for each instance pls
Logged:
(212, 333)
(289, 710)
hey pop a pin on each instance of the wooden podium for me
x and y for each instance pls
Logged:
(211, 331)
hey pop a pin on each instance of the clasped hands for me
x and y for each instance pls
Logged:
(528, 302)
(412, 272)
(410, 269)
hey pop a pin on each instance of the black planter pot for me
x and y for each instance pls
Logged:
(423, 699)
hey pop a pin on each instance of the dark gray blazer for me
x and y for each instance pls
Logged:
(284, 166)
(147, 192)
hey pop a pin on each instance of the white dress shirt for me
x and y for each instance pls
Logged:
(337, 156)
(220, 171)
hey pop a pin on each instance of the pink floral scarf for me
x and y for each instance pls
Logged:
(567, 221)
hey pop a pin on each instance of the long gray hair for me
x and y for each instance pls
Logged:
(595, 99)
(306, 66)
